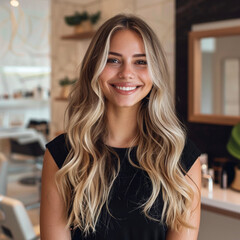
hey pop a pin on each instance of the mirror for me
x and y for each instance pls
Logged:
(214, 76)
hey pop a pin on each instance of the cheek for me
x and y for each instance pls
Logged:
(147, 79)
(144, 74)
(108, 73)
(103, 77)
(103, 84)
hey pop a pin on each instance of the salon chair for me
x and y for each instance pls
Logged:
(15, 222)
(3, 174)
(26, 150)
(30, 149)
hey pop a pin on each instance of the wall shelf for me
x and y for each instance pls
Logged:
(78, 36)
(61, 99)
(23, 103)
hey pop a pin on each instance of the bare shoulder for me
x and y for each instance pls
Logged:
(49, 164)
(52, 211)
(194, 179)
(194, 174)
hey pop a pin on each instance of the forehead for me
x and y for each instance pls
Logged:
(127, 40)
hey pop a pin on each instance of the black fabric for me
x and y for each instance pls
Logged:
(131, 188)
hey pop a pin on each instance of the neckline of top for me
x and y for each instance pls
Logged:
(121, 148)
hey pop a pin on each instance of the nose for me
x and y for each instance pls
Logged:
(126, 72)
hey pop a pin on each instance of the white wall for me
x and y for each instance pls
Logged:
(25, 50)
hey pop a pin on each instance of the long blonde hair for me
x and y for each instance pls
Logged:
(88, 173)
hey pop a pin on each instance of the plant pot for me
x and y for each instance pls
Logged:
(236, 182)
(65, 91)
(85, 26)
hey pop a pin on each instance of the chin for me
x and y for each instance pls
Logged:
(126, 105)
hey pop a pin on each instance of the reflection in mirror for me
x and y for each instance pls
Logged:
(231, 83)
(214, 76)
(220, 75)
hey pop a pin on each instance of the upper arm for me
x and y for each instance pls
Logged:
(52, 212)
(194, 179)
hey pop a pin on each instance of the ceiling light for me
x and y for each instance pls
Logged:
(14, 3)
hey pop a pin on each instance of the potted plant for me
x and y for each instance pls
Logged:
(82, 22)
(233, 147)
(66, 85)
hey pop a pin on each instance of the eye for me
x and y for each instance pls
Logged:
(141, 62)
(113, 60)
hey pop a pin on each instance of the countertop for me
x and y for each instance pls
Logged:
(225, 201)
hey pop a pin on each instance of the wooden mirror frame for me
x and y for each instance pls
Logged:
(194, 77)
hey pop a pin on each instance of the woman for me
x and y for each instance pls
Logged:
(124, 169)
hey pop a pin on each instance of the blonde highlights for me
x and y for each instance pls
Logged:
(88, 173)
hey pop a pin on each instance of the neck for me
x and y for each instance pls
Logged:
(122, 126)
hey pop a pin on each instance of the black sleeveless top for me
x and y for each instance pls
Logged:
(131, 188)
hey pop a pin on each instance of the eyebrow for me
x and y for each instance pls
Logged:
(135, 55)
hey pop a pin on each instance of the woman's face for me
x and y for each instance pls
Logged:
(125, 80)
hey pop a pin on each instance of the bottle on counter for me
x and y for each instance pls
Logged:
(211, 173)
(224, 179)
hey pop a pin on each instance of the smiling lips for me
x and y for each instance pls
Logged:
(124, 89)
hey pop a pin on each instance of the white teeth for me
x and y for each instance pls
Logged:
(125, 88)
